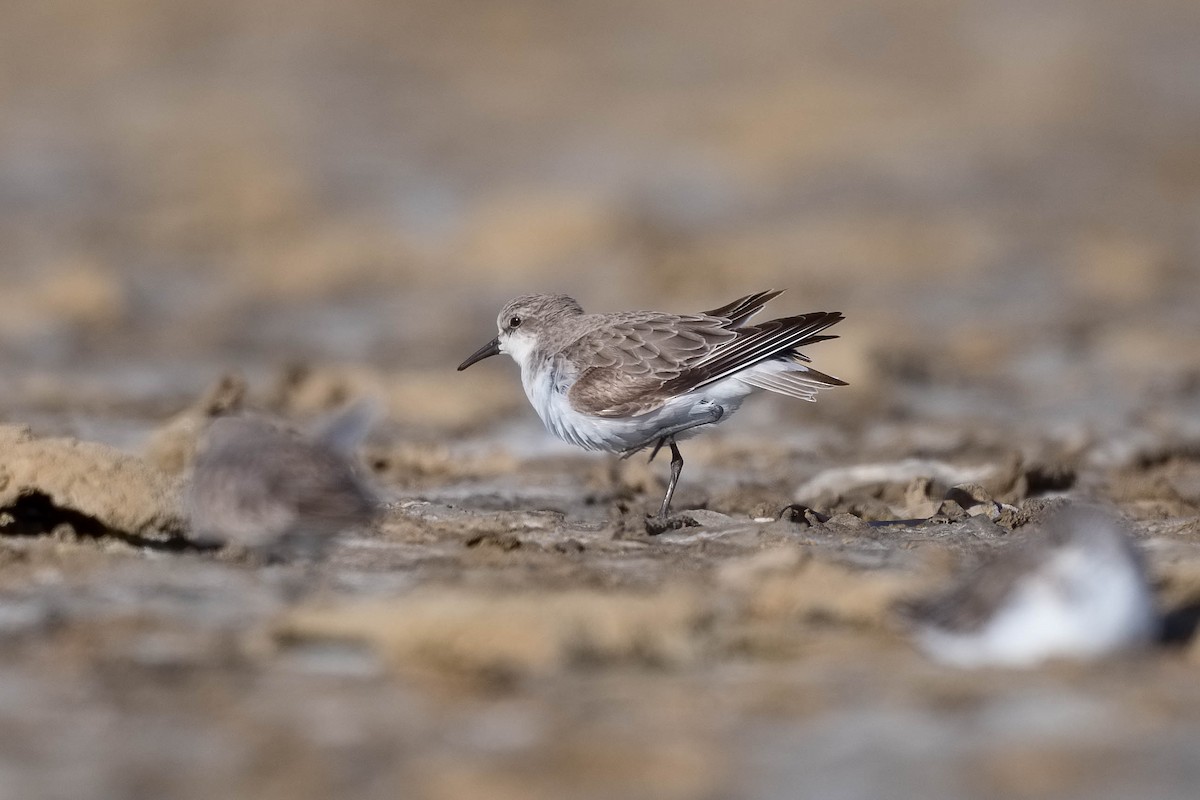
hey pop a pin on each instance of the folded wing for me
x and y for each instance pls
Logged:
(626, 363)
(637, 362)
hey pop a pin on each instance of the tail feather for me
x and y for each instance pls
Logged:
(799, 357)
(799, 382)
(816, 374)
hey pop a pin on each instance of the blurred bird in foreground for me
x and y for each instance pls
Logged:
(258, 485)
(627, 381)
(1078, 590)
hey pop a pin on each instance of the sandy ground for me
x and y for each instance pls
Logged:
(287, 206)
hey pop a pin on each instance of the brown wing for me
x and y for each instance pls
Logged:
(639, 361)
(630, 360)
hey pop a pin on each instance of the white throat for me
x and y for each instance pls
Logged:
(520, 346)
(536, 379)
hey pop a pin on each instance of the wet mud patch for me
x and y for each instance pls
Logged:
(515, 635)
(772, 602)
(502, 575)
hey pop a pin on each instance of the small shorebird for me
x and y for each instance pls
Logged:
(271, 490)
(1076, 590)
(631, 380)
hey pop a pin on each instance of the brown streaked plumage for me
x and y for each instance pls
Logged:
(635, 365)
(629, 380)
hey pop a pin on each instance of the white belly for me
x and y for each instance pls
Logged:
(618, 434)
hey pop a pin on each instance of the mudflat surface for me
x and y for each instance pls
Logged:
(288, 206)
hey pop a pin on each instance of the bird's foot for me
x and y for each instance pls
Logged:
(671, 522)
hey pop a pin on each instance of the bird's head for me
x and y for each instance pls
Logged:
(523, 323)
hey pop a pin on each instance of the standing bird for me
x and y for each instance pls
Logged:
(626, 381)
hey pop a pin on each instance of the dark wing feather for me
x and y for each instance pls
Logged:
(744, 308)
(753, 345)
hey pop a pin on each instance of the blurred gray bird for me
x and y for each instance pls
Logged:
(261, 486)
(1078, 590)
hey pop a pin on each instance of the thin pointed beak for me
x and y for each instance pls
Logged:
(490, 349)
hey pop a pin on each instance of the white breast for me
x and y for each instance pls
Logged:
(547, 393)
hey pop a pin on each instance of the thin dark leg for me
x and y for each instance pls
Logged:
(676, 468)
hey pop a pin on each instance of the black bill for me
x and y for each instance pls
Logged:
(490, 349)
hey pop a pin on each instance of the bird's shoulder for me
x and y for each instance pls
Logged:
(645, 341)
(622, 361)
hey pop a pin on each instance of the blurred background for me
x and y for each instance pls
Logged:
(1003, 197)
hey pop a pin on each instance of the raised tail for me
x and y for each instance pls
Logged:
(788, 378)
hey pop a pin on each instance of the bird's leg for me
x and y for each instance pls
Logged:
(676, 468)
(712, 414)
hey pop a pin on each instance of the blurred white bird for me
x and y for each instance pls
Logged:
(1077, 590)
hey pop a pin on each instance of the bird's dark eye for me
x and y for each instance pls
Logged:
(514, 322)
